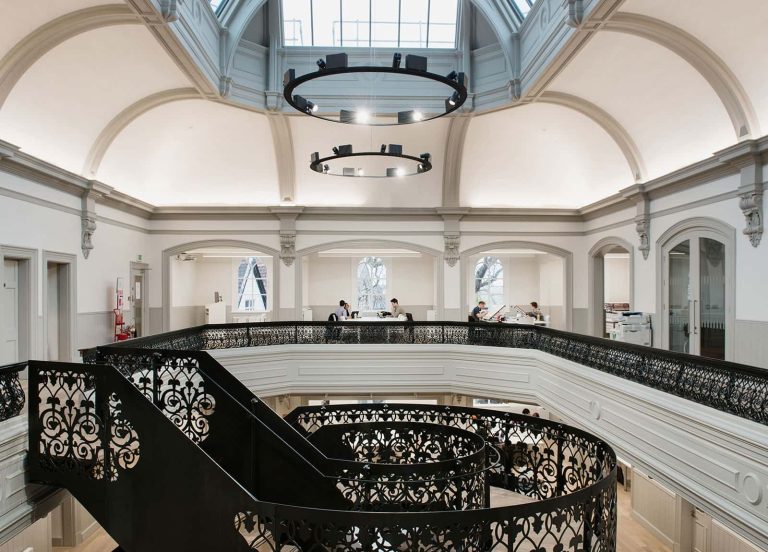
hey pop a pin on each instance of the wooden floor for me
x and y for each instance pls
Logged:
(631, 535)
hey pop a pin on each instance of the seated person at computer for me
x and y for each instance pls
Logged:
(396, 309)
(341, 312)
(535, 311)
(479, 311)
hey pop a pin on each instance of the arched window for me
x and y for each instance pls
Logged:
(251, 285)
(489, 280)
(371, 284)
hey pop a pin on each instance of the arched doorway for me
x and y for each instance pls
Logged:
(696, 272)
(243, 273)
(611, 282)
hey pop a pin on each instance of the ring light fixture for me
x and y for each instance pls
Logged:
(336, 64)
(396, 163)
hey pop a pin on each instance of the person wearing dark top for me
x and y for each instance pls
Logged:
(479, 311)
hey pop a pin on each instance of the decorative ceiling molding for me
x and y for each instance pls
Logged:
(282, 141)
(236, 22)
(45, 38)
(719, 76)
(127, 116)
(452, 156)
(505, 24)
(614, 129)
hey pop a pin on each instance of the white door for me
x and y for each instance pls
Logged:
(9, 313)
(695, 296)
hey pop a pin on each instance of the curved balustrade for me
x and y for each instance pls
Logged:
(94, 431)
(733, 388)
(11, 393)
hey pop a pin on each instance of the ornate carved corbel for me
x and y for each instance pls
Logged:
(514, 90)
(225, 85)
(451, 253)
(575, 15)
(88, 225)
(170, 11)
(643, 229)
(287, 248)
(751, 204)
(639, 196)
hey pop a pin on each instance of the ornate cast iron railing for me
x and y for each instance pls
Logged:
(99, 434)
(729, 387)
(11, 392)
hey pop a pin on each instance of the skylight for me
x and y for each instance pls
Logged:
(215, 4)
(371, 23)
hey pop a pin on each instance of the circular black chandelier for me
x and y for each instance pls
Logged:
(390, 161)
(336, 64)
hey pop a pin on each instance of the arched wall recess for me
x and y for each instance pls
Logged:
(373, 244)
(124, 118)
(43, 39)
(564, 254)
(596, 280)
(719, 76)
(454, 151)
(240, 244)
(284, 154)
(604, 119)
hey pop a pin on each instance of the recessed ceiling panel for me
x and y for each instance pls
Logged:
(668, 108)
(195, 152)
(63, 101)
(539, 156)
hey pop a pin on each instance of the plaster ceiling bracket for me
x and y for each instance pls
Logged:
(170, 11)
(287, 216)
(95, 191)
(750, 190)
(452, 233)
(575, 15)
(639, 196)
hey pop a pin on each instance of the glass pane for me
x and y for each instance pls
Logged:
(251, 285)
(442, 23)
(524, 6)
(356, 23)
(371, 284)
(326, 22)
(712, 295)
(413, 24)
(297, 29)
(385, 20)
(679, 297)
(489, 281)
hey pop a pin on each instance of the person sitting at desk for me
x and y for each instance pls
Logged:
(346, 308)
(479, 311)
(535, 311)
(341, 312)
(396, 310)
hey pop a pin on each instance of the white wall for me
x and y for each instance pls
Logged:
(617, 278)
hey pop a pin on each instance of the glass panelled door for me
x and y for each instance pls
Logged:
(696, 297)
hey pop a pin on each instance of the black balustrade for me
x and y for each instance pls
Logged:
(11, 392)
(726, 386)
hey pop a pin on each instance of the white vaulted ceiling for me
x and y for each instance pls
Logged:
(664, 84)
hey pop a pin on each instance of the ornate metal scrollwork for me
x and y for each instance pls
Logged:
(11, 392)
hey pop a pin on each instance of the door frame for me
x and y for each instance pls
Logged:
(28, 308)
(596, 280)
(692, 228)
(68, 304)
(143, 268)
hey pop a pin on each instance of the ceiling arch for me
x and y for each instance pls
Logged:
(608, 123)
(725, 84)
(34, 46)
(124, 118)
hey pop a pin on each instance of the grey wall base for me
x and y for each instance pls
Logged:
(751, 345)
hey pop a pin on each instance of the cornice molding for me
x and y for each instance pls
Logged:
(43, 39)
(723, 163)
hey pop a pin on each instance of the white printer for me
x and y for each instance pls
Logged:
(634, 327)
